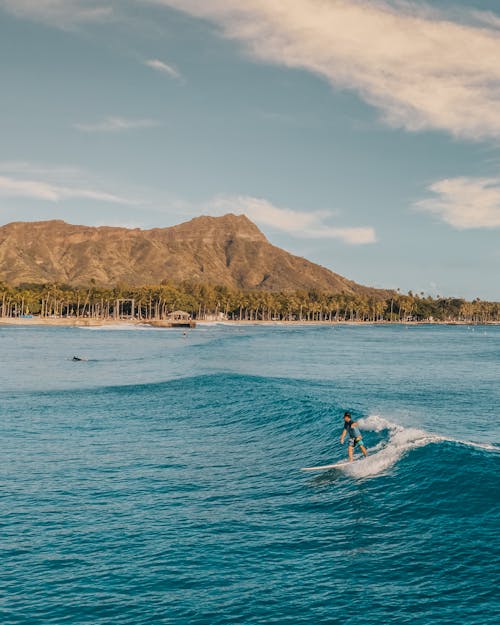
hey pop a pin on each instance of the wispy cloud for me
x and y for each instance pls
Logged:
(117, 124)
(25, 180)
(27, 168)
(62, 13)
(296, 223)
(465, 203)
(423, 69)
(37, 190)
(161, 66)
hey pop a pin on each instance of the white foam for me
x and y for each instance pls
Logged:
(487, 446)
(376, 423)
(117, 326)
(401, 440)
(385, 455)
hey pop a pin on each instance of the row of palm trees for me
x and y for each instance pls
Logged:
(206, 301)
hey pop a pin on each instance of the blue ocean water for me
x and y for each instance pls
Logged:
(159, 481)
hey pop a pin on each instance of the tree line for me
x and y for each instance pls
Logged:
(206, 301)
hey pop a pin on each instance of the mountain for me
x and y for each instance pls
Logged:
(228, 250)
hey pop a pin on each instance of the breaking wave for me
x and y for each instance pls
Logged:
(400, 441)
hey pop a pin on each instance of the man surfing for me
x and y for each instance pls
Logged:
(355, 438)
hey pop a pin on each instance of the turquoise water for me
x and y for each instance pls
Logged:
(159, 482)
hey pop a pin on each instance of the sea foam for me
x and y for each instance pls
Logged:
(401, 440)
(386, 453)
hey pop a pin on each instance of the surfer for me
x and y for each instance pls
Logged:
(355, 438)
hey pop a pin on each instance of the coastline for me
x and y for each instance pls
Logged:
(95, 323)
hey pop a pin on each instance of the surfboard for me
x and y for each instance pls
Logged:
(326, 467)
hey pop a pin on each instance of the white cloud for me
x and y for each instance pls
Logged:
(296, 223)
(465, 202)
(50, 184)
(117, 124)
(11, 187)
(418, 66)
(39, 190)
(62, 13)
(163, 67)
(353, 236)
(25, 168)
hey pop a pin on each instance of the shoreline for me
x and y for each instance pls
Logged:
(154, 323)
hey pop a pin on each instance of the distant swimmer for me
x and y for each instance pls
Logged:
(78, 359)
(355, 438)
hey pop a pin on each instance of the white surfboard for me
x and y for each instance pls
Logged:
(326, 467)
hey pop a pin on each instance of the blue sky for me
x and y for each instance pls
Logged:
(363, 135)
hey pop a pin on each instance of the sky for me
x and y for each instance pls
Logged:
(363, 135)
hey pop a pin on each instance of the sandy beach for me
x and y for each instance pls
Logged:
(81, 322)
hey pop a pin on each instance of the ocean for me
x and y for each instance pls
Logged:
(159, 481)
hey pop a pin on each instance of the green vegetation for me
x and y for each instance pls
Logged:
(204, 301)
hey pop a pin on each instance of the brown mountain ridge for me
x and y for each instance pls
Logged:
(228, 250)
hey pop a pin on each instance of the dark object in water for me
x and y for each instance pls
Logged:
(78, 359)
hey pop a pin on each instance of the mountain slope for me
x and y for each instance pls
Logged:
(228, 250)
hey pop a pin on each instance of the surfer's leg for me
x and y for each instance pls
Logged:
(359, 442)
(350, 451)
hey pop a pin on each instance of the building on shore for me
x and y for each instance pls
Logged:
(175, 319)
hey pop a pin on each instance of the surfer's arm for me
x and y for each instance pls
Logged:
(342, 436)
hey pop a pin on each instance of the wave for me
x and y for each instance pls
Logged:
(485, 446)
(401, 440)
(118, 326)
(386, 453)
(280, 415)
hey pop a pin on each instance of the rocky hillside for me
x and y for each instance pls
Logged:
(227, 250)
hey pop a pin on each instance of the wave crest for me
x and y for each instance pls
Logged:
(386, 453)
(400, 441)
